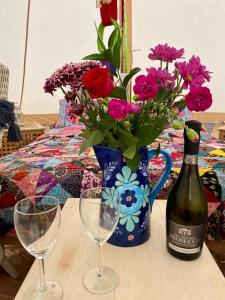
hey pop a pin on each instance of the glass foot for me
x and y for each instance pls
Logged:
(100, 285)
(53, 291)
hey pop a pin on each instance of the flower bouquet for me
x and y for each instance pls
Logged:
(119, 126)
(98, 94)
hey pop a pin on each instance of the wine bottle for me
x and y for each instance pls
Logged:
(187, 210)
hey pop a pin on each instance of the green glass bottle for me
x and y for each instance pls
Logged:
(187, 210)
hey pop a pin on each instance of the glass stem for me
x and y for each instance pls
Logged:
(100, 273)
(42, 288)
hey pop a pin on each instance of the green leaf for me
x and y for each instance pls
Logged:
(180, 104)
(124, 132)
(84, 133)
(113, 38)
(116, 54)
(111, 141)
(119, 92)
(126, 138)
(117, 45)
(148, 133)
(130, 152)
(107, 122)
(130, 75)
(100, 32)
(126, 141)
(94, 56)
(95, 138)
(92, 116)
(108, 55)
(134, 163)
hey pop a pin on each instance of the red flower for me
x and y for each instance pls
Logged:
(98, 82)
(108, 12)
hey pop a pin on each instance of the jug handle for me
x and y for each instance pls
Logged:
(164, 175)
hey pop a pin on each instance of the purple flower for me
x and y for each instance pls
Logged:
(163, 77)
(193, 72)
(135, 108)
(109, 66)
(165, 53)
(146, 87)
(68, 76)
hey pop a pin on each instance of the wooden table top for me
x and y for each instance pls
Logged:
(32, 126)
(145, 272)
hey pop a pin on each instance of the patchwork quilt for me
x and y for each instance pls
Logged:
(52, 165)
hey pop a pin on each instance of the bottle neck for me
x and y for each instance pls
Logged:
(190, 159)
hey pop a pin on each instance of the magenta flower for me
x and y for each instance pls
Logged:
(163, 77)
(165, 53)
(135, 108)
(118, 109)
(198, 99)
(193, 72)
(146, 87)
(68, 76)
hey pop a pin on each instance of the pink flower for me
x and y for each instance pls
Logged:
(118, 109)
(165, 53)
(163, 77)
(146, 87)
(198, 99)
(193, 72)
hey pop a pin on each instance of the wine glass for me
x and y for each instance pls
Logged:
(37, 221)
(99, 212)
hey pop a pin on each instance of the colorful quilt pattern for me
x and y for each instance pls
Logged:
(52, 165)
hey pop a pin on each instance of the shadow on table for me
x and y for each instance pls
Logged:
(217, 249)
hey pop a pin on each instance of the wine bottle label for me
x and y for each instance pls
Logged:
(185, 239)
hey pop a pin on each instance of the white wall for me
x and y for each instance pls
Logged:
(62, 31)
(198, 26)
(12, 36)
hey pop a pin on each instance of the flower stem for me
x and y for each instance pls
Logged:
(122, 85)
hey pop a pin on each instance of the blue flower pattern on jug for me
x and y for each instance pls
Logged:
(134, 191)
(128, 198)
(132, 197)
(127, 182)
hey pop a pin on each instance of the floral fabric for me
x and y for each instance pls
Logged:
(53, 166)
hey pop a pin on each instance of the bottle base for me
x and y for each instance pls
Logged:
(183, 256)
